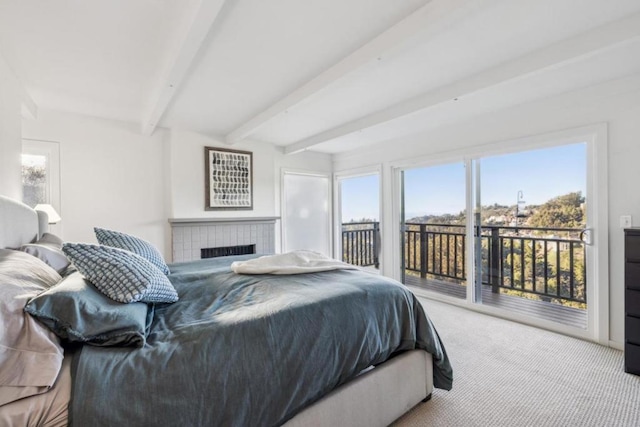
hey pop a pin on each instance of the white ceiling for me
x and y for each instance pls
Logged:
(329, 75)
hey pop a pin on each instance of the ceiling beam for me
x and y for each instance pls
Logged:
(562, 53)
(191, 39)
(430, 19)
(29, 108)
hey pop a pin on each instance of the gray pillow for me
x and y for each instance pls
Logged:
(76, 312)
(53, 257)
(49, 250)
(133, 244)
(50, 239)
(121, 275)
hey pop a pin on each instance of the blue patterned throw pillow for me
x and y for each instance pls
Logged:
(132, 244)
(119, 274)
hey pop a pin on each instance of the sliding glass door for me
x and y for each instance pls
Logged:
(531, 232)
(358, 212)
(526, 250)
(434, 228)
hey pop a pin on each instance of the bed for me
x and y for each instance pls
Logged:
(340, 347)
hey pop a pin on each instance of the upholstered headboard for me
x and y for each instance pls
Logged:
(19, 224)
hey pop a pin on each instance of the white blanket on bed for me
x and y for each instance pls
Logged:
(296, 262)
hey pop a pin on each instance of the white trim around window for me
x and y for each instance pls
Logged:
(596, 137)
(51, 150)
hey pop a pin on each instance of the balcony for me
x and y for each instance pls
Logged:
(360, 241)
(534, 271)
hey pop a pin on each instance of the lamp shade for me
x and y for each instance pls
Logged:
(50, 211)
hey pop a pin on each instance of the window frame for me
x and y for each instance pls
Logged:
(51, 150)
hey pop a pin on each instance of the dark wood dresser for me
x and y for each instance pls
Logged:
(632, 300)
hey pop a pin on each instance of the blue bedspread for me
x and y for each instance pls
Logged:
(240, 350)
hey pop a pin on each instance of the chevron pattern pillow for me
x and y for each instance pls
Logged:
(121, 275)
(132, 244)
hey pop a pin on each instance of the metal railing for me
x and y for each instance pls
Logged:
(548, 262)
(360, 243)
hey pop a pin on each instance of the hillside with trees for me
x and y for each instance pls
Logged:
(536, 260)
(566, 211)
(34, 179)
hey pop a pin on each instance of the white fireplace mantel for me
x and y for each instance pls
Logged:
(230, 220)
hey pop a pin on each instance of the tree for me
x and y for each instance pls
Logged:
(34, 179)
(560, 212)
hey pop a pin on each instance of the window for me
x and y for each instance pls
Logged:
(358, 219)
(525, 235)
(34, 179)
(41, 173)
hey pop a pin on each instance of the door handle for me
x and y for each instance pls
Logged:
(585, 236)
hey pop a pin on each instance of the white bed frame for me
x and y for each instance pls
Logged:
(375, 398)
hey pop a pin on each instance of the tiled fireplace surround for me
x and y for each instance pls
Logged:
(190, 235)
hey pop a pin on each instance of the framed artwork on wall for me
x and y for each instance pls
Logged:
(228, 179)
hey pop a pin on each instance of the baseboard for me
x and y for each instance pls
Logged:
(617, 345)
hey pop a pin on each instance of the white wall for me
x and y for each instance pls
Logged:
(616, 103)
(188, 183)
(186, 159)
(10, 128)
(111, 176)
(187, 174)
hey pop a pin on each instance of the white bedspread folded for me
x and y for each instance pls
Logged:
(296, 262)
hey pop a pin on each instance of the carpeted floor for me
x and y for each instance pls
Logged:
(508, 374)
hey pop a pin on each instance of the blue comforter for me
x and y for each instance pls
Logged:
(239, 350)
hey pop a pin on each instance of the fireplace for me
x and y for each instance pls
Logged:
(227, 251)
(197, 238)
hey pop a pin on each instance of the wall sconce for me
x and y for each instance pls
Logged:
(50, 211)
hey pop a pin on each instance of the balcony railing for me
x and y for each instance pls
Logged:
(360, 242)
(547, 262)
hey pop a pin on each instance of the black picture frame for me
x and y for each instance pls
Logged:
(228, 179)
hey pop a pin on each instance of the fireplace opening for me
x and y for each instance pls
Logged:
(227, 251)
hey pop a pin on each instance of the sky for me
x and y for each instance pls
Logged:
(34, 160)
(540, 174)
(360, 198)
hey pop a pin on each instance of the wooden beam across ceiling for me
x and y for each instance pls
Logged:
(29, 108)
(191, 39)
(591, 43)
(428, 20)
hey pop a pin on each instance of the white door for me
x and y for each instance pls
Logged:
(306, 213)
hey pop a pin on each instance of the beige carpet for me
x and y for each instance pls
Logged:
(508, 374)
